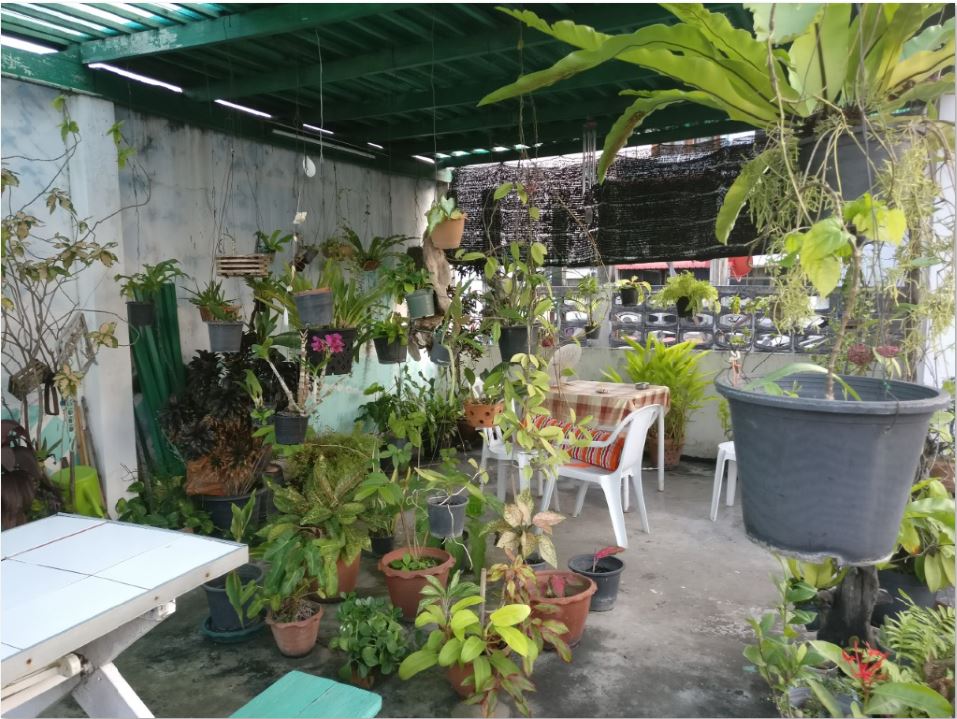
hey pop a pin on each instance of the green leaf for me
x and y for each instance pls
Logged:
(789, 20)
(450, 652)
(502, 190)
(510, 615)
(826, 698)
(461, 620)
(875, 220)
(472, 648)
(515, 639)
(463, 603)
(483, 672)
(911, 695)
(738, 194)
(417, 662)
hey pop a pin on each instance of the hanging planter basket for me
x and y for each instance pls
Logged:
(847, 167)
(447, 235)
(314, 307)
(225, 336)
(421, 303)
(447, 515)
(140, 314)
(340, 362)
(829, 478)
(482, 416)
(514, 340)
(290, 427)
(390, 352)
(243, 265)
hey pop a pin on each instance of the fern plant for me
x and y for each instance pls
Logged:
(922, 640)
(677, 367)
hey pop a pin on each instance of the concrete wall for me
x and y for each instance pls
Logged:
(184, 190)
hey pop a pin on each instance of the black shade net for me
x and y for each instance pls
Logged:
(656, 207)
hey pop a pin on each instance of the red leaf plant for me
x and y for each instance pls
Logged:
(602, 553)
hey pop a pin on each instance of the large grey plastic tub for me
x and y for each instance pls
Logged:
(829, 477)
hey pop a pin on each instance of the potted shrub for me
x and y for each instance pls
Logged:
(688, 294)
(590, 299)
(291, 616)
(523, 533)
(372, 638)
(677, 367)
(319, 502)
(384, 498)
(391, 339)
(450, 489)
(229, 615)
(864, 115)
(821, 577)
(485, 400)
(604, 570)
(160, 501)
(272, 243)
(141, 287)
(633, 291)
(212, 303)
(406, 281)
(445, 223)
(380, 249)
(408, 570)
(569, 595)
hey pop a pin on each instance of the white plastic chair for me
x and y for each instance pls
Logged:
(493, 446)
(636, 425)
(726, 457)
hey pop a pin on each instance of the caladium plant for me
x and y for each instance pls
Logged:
(522, 533)
(602, 553)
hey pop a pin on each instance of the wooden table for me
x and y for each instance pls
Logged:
(77, 592)
(608, 403)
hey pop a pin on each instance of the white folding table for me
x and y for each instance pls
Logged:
(78, 591)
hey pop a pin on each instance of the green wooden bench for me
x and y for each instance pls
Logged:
(298, 694)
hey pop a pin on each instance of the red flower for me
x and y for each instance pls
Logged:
(888, 351)
(866, 665)
(859, 354)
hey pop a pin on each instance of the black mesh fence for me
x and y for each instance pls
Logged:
(660, 205)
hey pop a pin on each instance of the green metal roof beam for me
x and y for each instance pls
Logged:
(721, 127)
(256, 23)
(611, 73)
(490, 42)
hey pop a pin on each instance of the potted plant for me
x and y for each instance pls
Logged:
(141, 287)
(688, 294)
(408, 569)
(372, 638)
(383, 496)
(633, 291)
(413, 284)
(380, 249)
(591, 299)
(445, 223)
(450, 489)
(604, 570)
(313, 302)
(320, 502)
(873, 109)
(568, 594)
(391, 339)
(485, 400)
(523, 533)
(212, 303)
(351, 314)
(272, 243)
(821, 576)
(677, 367)
(229, 615)
(291, 423)
(160, 501)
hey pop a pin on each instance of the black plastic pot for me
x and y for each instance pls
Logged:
(390, 352)
(850, 166)
(140, 314)
(340, 362)
(290, 428)
(683, 307)
(447, 515)
(829, 477)
(812, 607)
(314, 307)
(514, 340)
(440, 354)
(536, 563)
(592, 332)
(629, 296)
(606, 576)
(220, 509)
(421, 303)
(892, 581)
(225, 336)
(222, 616)
(382, 545)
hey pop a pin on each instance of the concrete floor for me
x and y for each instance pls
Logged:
(671, 647)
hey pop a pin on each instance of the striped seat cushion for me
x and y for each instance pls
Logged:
(604, 457)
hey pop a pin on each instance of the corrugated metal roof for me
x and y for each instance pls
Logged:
(405, 77)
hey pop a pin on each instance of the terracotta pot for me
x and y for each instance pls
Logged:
(447, 235)
(348, 575)
(672, 451)
(296, 639)
(404, 586)
(365, 683)
(458, 673)
(943, 469)
(482, 415)
(573, 610)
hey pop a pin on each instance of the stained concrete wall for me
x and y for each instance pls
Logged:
(185, 190)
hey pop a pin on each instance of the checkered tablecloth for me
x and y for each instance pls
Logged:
(607, 403)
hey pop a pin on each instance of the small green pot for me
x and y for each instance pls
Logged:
(421, 303)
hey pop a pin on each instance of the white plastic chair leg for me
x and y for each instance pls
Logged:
(502, 479)
(524, 473)
(580, 499)
(640, 499)
(716, 489)
(549, 491)
(661, 450)
(613, 498)
(732, 481)
(625, 493)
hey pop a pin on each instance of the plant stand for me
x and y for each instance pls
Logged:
(852, 603)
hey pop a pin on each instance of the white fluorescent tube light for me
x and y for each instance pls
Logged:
(315, 128)
(323, 143)
(134, 76)
(242, 108)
